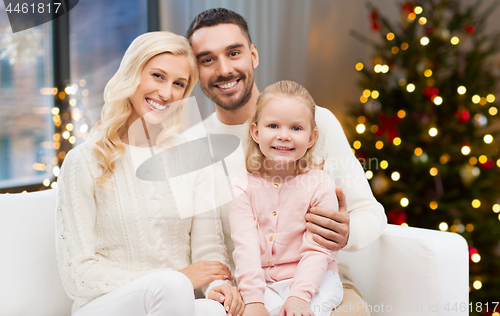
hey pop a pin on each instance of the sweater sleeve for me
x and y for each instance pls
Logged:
(207, 238)
(82, 275)
(367, 216)
(314, 258)
(246, 255)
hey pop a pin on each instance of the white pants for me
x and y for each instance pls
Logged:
(164, 293)
(329, 296)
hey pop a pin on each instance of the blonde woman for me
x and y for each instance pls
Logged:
(122, 248)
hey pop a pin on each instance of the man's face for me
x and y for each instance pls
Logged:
(226, 61)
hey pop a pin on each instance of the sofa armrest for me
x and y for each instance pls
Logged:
(30, 282)
(413, 271)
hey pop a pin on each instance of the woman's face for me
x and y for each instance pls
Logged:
(163, 82)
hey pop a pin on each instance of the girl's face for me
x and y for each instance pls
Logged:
(284, 131)
(163, 82)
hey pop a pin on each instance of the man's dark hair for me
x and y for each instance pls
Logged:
(213, 17)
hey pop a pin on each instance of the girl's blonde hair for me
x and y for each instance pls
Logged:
(117, 107)
(254, 159)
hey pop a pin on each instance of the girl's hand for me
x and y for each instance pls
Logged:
(295, 306)
(255, 309)
(204, 272)
(230, 296)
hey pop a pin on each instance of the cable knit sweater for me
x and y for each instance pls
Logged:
(367, 216)
(270, 237)
(109, 237)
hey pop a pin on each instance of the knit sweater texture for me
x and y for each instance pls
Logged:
(107, 237)
(269, 232)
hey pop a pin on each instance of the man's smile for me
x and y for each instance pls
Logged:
(228, 86)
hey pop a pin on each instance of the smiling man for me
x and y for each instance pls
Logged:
(227, 60)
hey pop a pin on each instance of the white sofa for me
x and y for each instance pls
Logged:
(408, 271)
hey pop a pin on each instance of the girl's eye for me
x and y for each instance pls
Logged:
(159, 76)
(273, 126)
(180, 84)
(296, 128)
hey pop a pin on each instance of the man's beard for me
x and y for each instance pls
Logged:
(229, 105)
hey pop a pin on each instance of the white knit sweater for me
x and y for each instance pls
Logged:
(107, 238)
(367, 216)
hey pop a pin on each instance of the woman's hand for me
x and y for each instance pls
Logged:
(295, 306)
(204, 272)
(230, 296)
(255, 309)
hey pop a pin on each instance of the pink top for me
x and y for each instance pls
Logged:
(270, 237)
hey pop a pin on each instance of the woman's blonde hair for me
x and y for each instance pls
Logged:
(117, 107)
(254, 159)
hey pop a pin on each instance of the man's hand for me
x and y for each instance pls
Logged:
(330, 228)
(295, 306)
(230, 297)
(255, 309)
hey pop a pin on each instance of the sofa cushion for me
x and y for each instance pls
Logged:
(30, 282)
(413, 272)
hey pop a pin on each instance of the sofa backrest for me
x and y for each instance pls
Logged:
(29, 277)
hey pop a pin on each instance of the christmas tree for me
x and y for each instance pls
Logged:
(426, 127)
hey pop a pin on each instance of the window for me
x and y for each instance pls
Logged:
(100, 33)
(26, 126)
(5, 73)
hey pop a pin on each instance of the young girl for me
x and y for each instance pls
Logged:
(279, 268)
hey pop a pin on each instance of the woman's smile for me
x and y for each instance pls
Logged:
(156, 106)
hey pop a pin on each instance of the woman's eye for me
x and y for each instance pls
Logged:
(273, 126)
(180, 84)
(296, 128)
(159, 76)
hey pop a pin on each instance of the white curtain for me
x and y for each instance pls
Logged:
(278, 28)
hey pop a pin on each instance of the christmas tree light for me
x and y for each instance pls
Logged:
(431, 116)
(443, 226)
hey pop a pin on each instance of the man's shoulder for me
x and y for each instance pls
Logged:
(327, 122)
(324, 115)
